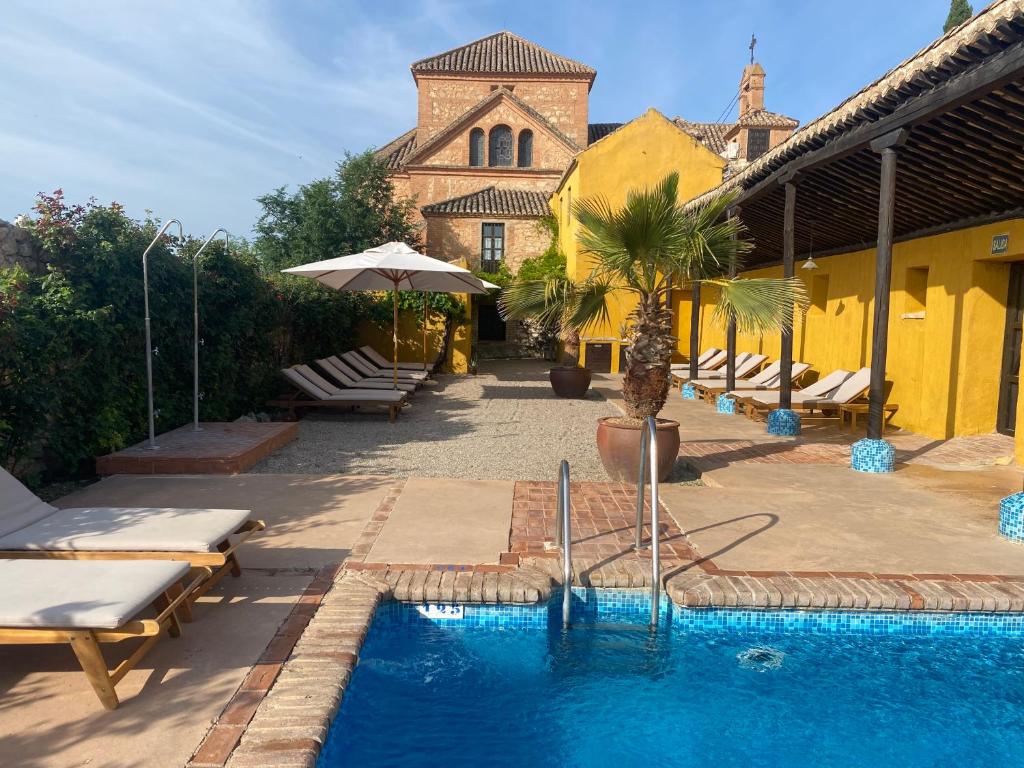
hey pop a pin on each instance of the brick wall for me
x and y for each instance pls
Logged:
(548, 151)
(443, 99)
(459, 237)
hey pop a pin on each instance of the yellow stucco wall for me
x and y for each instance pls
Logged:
(944, 366)
(639, 154)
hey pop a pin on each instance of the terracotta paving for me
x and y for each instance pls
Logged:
(219, 448)
(603, 520)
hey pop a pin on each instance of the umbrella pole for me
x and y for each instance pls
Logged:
(394, 338)
(424, 330)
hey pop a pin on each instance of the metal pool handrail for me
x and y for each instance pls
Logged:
(195, 322)
(649, 460)
(149, 340)
(563, 539)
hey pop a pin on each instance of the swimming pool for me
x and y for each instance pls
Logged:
(505, 686)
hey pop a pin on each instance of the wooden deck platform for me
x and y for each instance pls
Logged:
(219, 448)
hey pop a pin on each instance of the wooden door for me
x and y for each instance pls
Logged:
(1009, 382)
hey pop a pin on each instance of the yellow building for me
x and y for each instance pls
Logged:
(638, 154)
(909, 191)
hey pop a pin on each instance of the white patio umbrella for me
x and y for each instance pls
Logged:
(393, 267)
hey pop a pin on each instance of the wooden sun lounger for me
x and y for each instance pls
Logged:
(824, 395)
(343, 376)
(715, 368)
(380, 361)
(370, 370)
(311, 394)
(32, 529)
(87, 603)
(704, 356)
(768, 380)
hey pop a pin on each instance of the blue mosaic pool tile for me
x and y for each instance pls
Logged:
(725, 404)
(783, 422)
(632, 606)
(688, 392)
(1011, 517)
(875, 456)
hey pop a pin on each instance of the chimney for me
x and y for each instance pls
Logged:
(751, 89)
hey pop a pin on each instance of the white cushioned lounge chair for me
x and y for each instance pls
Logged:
(767, 380)
(335, 370)
(706, 355)
(370, 370)
(86, 603)
(838, 388)
(314, 391)
(380, 361)
(31, 528)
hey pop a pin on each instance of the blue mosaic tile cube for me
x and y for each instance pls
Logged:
(1011, 517)
(725, 404)
(688, 392)
(783, 422)
(876, 456)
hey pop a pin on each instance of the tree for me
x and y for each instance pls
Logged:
(959, 12)
(348, 212)
(653, 242)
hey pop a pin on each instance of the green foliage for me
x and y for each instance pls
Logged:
(959, 12)
(550, 263)
(500, 278)
(345, 213)
(72, 346)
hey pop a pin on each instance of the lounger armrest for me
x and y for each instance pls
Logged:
(244, 533)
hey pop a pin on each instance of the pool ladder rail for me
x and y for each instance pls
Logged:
(649, 462)
(563, 535)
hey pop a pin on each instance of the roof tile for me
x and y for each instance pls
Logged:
(502, 53)
(493, 202)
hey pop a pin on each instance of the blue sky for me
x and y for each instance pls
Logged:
(194, 108)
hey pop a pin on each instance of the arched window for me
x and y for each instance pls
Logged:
(525, 154)
(476, 146)
(499, 149)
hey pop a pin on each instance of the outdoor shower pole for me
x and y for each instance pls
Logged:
(195, 324)
(424, 331)
(149, 337)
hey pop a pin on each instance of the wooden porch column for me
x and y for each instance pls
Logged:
(886, 147)
(786, 345)
(730, 334)
(694, 329)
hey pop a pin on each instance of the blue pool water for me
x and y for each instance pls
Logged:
(506, 687)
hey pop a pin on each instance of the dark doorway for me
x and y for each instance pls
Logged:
(491, 327)
(599, 357)
(1009, 381)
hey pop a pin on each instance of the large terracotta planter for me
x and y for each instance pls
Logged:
(619, 448)
(569, 381)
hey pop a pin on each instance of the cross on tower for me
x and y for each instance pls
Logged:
(753, 44)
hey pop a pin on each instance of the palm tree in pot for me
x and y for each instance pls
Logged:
(568, 307)
(645, 247)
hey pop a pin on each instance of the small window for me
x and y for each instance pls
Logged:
(500, 146)
(492, 249)
(819, 294)
(757, 142)
(917, 292)
(524, 157)
(476, 146)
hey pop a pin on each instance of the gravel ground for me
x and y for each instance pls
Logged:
(503, 424)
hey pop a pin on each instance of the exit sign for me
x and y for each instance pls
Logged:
(1000, 244)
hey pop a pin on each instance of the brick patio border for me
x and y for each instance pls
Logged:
(281, 713)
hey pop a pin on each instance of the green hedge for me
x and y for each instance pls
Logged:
(72, 349)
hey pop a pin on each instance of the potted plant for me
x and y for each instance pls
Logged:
(567, 306)
(649, 244)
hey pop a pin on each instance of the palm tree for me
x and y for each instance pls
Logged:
(645, 247)
(560, 303)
